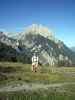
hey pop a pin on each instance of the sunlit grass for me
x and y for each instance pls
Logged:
(50, 94)
(43, 75)
(20, 73)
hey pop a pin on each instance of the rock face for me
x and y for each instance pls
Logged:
(37, 29)
(8, 41)
(37, 38)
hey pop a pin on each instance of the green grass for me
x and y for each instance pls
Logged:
(40, 94)
(17, 73)
(22, 72)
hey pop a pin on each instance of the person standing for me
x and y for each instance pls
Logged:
(34, 62)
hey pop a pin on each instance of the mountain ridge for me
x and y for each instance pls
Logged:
(37, 38)
(37, 41)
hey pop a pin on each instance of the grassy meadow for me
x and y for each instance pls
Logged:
(18, 73)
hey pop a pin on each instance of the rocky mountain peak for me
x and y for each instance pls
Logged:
(39, 29)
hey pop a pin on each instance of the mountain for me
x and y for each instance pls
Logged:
(73, 49)
(7, 48)
(37, 38)
(7, 40)
(10, 49)
(7, 53)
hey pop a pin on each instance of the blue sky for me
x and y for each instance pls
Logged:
(58, 15)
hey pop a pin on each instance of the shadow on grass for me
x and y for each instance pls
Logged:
(7, 69)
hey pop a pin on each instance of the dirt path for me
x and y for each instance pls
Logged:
(31, 86)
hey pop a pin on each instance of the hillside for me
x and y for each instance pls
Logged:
(37, 38)
(7, 53)
(10, 50)
(73, 49)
